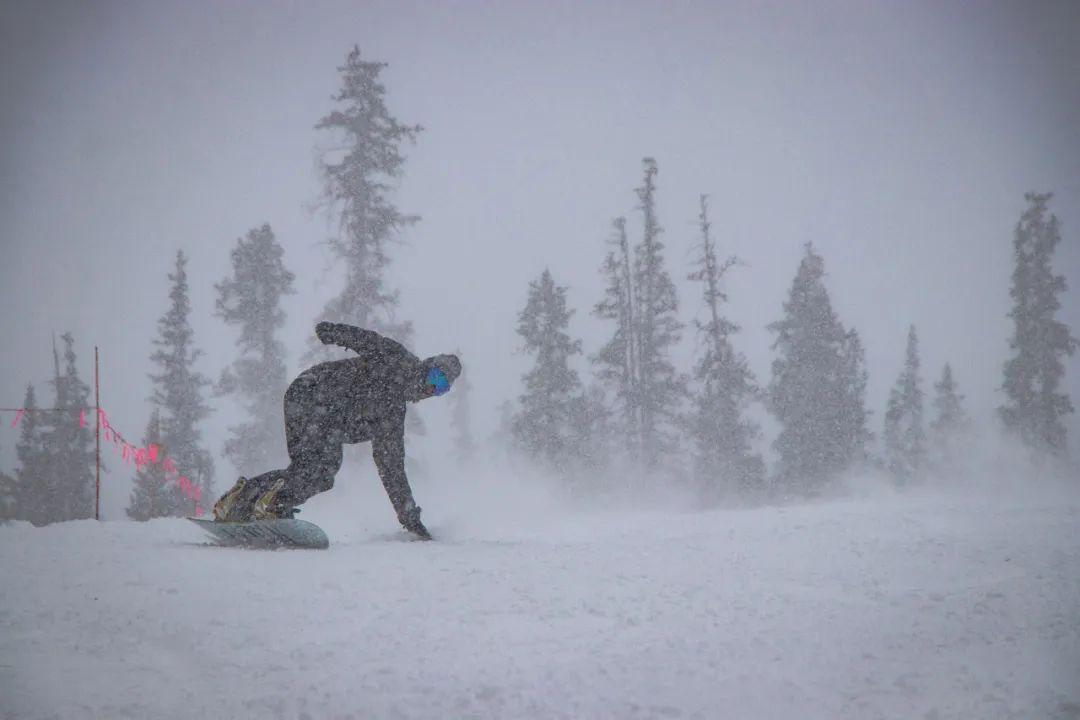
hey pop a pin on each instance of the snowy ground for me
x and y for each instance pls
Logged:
(914, 606)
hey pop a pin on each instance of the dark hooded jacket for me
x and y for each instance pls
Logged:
(368, 392)
(363, 398)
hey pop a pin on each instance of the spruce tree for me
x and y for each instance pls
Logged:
(817, 378)
(640, 299)
(1036, 403)
(63, 480)
(544, 426)
(48, 492)
(724, 462)
(854, 435)
(949, 428)
(356, 189)
(905, 436)
(591, 422)
(250, 299)
(72, 440)
(35, 465)
(178, 394)
(460, 402)
(7, 497)
(617, 361)
(152, 494)
(661, 389)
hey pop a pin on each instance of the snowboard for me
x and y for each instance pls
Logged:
(266, 533)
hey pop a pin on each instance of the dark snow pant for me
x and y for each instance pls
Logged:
(314, 442)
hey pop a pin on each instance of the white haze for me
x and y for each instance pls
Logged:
(898, 138)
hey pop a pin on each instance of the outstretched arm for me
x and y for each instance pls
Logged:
(388, 451)
(366, 343)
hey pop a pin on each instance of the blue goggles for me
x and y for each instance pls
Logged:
(437, 379)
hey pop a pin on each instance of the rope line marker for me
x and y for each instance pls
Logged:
(129, 451)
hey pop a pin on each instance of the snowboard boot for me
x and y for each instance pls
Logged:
(271, 505)
(228, 503)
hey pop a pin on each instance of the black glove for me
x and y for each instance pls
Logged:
(410, 520)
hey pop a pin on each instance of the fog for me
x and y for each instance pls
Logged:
(898, 139)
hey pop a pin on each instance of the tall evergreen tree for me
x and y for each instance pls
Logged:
(1036, 404)
(356, 189)
(152, 494)
(7, 497)
(617, 361)
(8, 507)
(661, 389)
(640, 299)
(72, 440)
(817, 378)
(544, 426)
(591, 421)
(35, 465)
(250, 298)
(949, 427)
(57, 448)
(460, 401)
(854, 417)
(724, 461)
(178, 394)
(905, 435)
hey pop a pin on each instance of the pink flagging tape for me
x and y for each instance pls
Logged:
(141, 456)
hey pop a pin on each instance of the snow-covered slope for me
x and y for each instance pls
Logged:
(901, 607)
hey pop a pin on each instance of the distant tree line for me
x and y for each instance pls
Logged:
(642, 416)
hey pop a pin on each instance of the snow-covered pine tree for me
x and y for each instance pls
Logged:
(49, 488)
(35, 465)
(1036, 404)
(7, 497)
(543, 426)
(950, 425)
(357, 182)
(661, 389)
(813, 387)
(591, 420)
(905, 435)
(460, 402)
(72, 440)
(617, 361)
(724, 461)
(250, 298)
(152, 495)
(57, 445)
(178, 394)
(854, 436)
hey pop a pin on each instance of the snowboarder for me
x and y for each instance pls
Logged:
(345, 401)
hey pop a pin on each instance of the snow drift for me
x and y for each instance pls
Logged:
(916, 605)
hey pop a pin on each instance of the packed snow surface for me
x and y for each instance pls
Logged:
(915, 605)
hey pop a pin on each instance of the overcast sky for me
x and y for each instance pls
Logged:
(898, 137)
